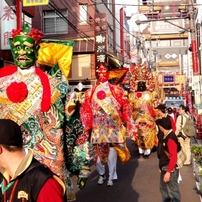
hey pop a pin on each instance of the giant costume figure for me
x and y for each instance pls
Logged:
(142, 89)
(38, 102)
(103, 113)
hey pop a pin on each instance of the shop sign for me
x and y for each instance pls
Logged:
(8, 22)
(168, 79)
(35, 2)
(162, 27)
(101, 45)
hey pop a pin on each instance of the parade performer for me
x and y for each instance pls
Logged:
(141, 98)
(38, 102)
(104, 112)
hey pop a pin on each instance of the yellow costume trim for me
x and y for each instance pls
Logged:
(55, 96)
(123, 153)
(52, 53)
(5, 100)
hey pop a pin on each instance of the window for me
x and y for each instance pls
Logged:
(53, 23)
(83, 13)
(26, 20)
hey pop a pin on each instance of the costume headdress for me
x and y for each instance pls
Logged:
(102, 67)
(35, 34)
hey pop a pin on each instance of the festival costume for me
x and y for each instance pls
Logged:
(104, 111)
(142, 100)
(38, 102)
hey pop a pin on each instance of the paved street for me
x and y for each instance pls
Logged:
(138, 181)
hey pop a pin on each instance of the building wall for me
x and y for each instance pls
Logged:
(83, 63)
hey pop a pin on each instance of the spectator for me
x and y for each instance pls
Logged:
(183, 139)
(22, 177)
(168, 146)
(162, 113)
(171, 113)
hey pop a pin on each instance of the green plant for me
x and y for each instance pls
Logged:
(197, 154)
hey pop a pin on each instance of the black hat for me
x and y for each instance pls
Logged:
(161, 107)
(10, 133)
(164, 122)
(170, 110)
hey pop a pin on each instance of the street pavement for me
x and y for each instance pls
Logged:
(138, 181)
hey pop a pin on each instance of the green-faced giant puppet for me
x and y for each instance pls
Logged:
(38, 102)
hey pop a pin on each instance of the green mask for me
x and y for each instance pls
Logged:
(24, 51)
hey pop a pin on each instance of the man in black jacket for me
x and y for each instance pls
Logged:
(22, 177)
(167, 150)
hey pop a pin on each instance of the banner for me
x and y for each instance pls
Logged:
(8, 22)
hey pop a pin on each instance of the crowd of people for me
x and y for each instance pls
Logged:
(42, 140)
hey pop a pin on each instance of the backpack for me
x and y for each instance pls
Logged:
(188, 128)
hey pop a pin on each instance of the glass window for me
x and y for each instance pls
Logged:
(53, 23)
(26, 20)
(83, 11)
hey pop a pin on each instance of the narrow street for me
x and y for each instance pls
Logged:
(138, 181)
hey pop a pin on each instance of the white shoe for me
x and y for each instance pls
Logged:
(101, 179)
(110, 183)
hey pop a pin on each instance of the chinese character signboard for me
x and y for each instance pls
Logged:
(168, 79)
(35, 2)
(8, 22)
(101, 45)
(197, 90)
(161, 27)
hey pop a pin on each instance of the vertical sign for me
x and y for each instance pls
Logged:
(8, 22)
(101, 45)
(197, 93)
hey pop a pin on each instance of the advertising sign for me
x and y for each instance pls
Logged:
(169, 79)
(35, 2)
(8, 22)
(161, 27)
(197, 91)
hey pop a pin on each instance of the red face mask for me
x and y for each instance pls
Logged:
(103, 74)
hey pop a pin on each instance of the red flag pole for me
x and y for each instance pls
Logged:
(193, 39)
(18, 14)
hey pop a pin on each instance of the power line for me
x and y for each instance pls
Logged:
(78, 31)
